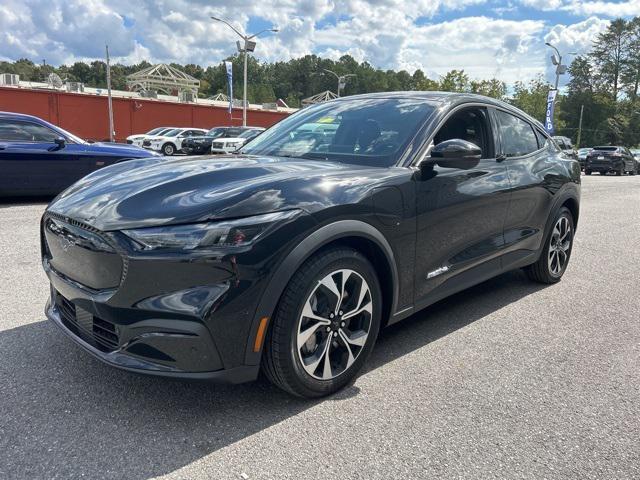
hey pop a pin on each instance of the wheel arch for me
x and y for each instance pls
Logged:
(356, 234)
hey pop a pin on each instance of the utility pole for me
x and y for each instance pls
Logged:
(111, 130)
(579, 127)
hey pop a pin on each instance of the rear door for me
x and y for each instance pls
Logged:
(31, 163)
(531, 159)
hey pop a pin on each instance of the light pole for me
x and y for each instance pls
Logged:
(247, 46)
(342, 79)
(557, 61)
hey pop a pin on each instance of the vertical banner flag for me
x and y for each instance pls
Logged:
(229, 67)
(548, 121)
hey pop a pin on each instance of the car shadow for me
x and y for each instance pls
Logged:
(64, 414)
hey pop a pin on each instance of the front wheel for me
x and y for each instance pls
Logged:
(557, 250)
(587, 172)
(168, 149)
(325, 325)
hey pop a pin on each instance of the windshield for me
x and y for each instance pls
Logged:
(371, 131)
(155, 130)
(249, 133)
(173, 133)
(606, 149)
(69, 136)
(215, 132)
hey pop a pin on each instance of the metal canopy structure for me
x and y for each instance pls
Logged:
(221, 97)
(163, 78)
(319, 98)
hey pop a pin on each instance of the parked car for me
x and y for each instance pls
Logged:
(140, 136)
(230, 145)
(139, 139)
(170, 142)
(567, 147)
(607, 159)
(38, 158)
(582, 156)
(202, 144)
(293, 254)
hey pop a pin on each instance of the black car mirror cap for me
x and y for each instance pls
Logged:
(60, 142)
(454, 153)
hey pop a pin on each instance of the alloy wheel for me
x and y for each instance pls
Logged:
(559, 246)
(335, 324)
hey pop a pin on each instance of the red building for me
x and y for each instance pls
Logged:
(86, 114)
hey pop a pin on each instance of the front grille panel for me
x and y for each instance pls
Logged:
(217, 145)
(146, 143)
(94, 330)
(82, 253)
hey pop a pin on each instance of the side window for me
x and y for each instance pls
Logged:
(543, 142)
(18, 131)
(470, 124)
(517, 135)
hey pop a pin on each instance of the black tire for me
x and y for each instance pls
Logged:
(603, 173)
(168, 149)
(620, 172)
(540, 270)
(282, 362)
(587, 172)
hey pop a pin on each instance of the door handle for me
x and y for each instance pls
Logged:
(99, 164)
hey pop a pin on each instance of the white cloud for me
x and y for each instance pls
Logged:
(386, 33)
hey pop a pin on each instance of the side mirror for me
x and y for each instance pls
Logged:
(60, 142)
(454, 153)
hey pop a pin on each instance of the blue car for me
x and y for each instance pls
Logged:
(38, 158)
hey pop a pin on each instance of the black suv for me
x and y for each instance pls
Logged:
(292, 254)
(610, 159)
(202, 144)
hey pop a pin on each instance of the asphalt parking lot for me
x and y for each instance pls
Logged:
(507, 380)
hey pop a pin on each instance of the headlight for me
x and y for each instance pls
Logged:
(231, 233)
(233, 144)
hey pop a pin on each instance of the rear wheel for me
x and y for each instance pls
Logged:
(620, 171)
(557, 251)
(325, 324)
(587, 172)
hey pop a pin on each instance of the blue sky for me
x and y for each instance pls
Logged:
(486, 38)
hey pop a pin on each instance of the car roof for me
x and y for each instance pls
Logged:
(19, 116)
(445, 99)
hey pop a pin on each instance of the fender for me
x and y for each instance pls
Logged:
(316, 240)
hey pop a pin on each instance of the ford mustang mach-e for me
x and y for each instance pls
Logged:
(292, 254)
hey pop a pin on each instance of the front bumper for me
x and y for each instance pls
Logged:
(123, 360)
(196, 149)
(187, 315)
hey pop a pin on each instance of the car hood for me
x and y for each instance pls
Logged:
(118, 149)
(160, 191)
(157, 137)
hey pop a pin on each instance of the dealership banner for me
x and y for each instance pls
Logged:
(551, 101)
(229, 67)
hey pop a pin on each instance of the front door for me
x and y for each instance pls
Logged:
(31, 163)
(460, 213)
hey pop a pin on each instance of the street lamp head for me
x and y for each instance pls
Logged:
(216, 19)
